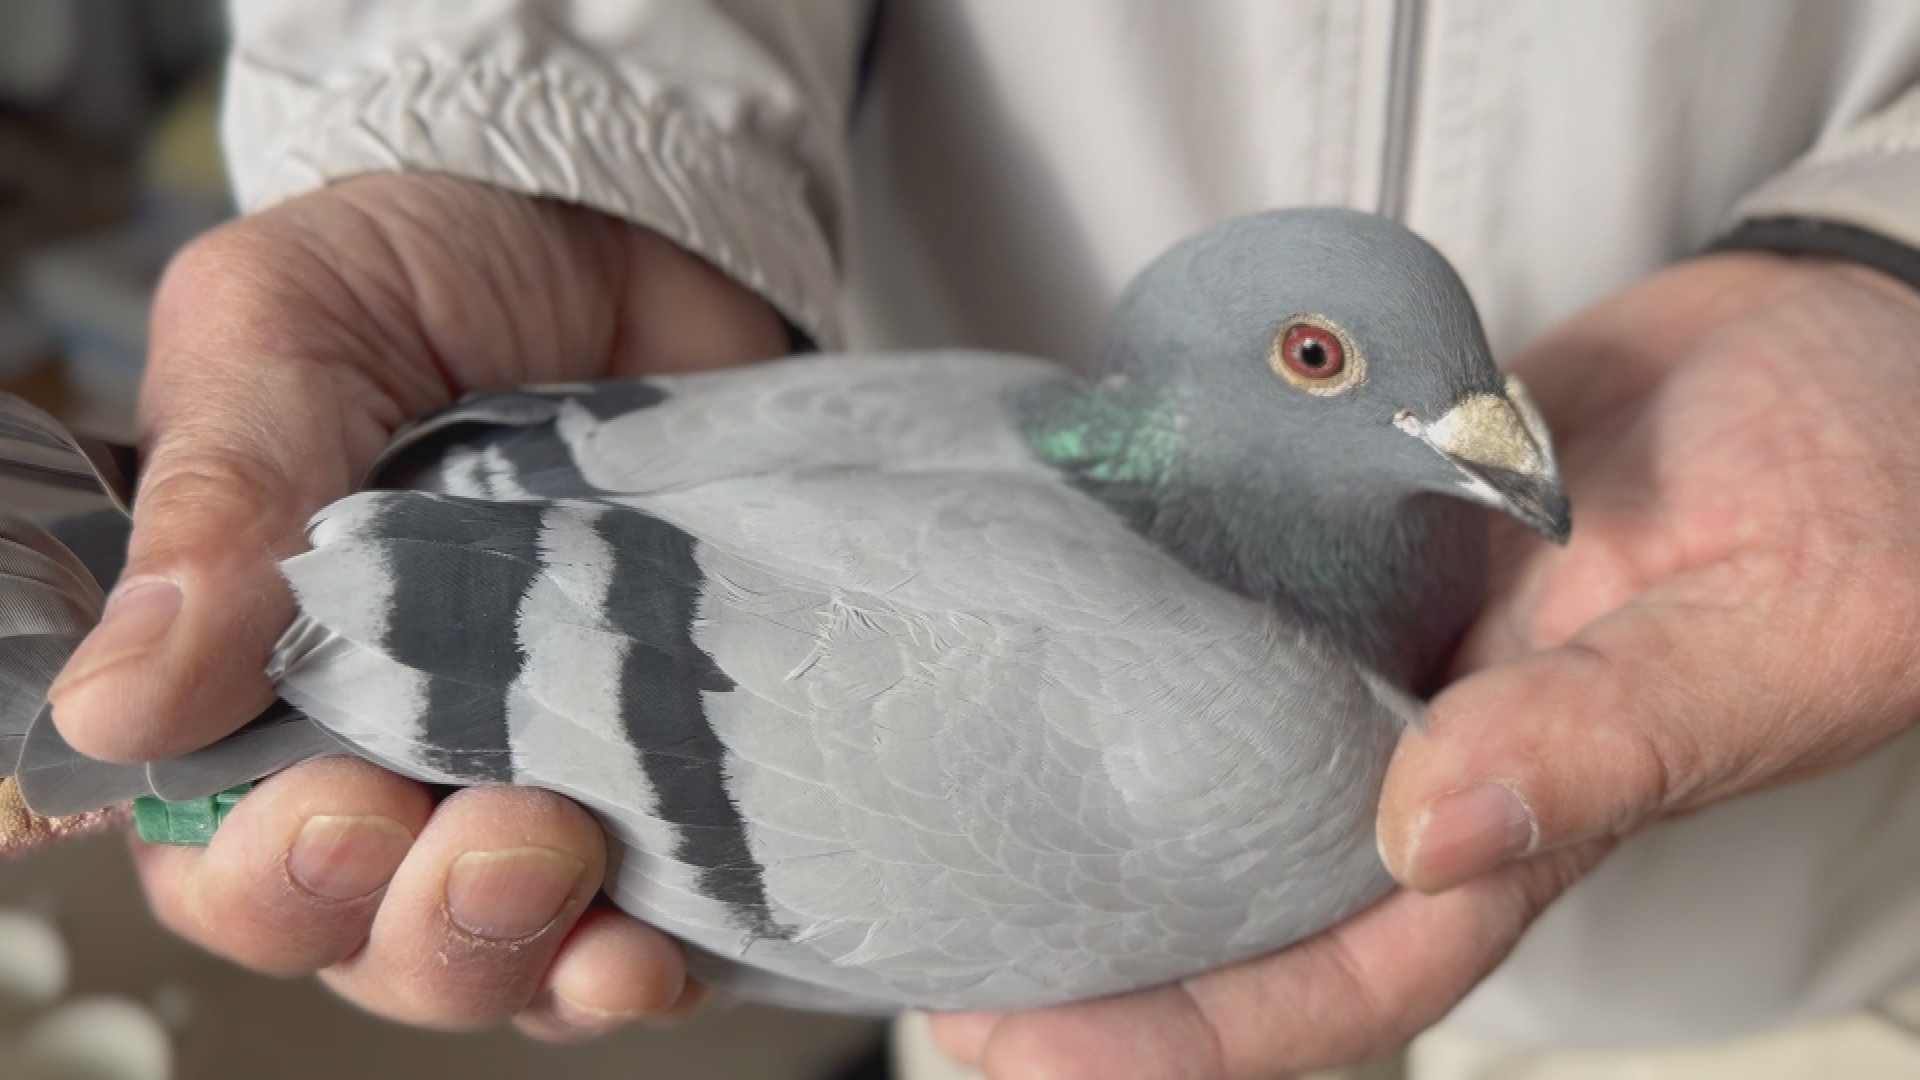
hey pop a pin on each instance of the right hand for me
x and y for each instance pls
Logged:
(287, 348)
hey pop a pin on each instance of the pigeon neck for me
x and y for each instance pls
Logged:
(1395, 580)
(1392, 579)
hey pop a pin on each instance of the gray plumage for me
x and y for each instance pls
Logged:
(946, 679)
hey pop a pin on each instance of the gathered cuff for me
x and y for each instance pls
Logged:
(1854, 197)
(547, 132)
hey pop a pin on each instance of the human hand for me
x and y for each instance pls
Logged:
(1739, 607)
(287, 347)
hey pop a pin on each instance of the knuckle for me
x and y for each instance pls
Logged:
(164, 900)
(247, 271)
(1660, 777)
(249, 253)
(210, 475)
(1894, 619)
(1651, 767)
(208, 260)
(536, 815)
(614, 965)
(1540, 880)
(1378, 1020)
(255, 919)
(542, 1026)
(451, 999)
(227, 925)
(206, 496)
(284, 943)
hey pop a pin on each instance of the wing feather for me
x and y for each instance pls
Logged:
(987, 747)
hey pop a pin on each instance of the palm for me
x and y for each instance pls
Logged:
(1735, 440)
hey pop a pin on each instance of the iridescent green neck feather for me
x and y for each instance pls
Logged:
(1358, 567)
(1112, 433)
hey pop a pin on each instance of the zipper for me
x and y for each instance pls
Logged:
(1403, 88)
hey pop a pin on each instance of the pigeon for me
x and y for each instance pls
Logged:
(946, 680)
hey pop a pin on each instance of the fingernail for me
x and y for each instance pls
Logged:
(587, 1018)
(1466, 833)
(346, 858)
(693, 994)
(512, 894)
(136, 620)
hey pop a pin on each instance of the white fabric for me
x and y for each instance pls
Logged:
(1015, 163)
(718, 124)
(1859, 1046)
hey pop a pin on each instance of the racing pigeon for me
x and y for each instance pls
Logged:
(949, 680)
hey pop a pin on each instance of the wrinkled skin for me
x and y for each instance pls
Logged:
(287, 347)
(1739, 607)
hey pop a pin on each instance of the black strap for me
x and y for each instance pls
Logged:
(1811, 236)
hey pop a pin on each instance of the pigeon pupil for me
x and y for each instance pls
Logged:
(1313, 352)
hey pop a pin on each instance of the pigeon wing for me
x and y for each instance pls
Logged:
(871, 701)
(673, 432)
(980, 746)
(995, 750)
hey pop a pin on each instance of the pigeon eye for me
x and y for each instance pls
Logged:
(1313, 353)
(1316, 356)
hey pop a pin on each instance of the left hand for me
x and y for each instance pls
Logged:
(287, 347)
(1739, 608)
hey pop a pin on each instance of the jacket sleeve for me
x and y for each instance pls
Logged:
(719, 123)
(1855, 195)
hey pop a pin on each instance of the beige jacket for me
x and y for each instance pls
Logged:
(1001, 167)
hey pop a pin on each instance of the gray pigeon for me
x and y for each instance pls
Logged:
(947, 680)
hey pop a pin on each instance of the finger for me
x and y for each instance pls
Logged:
(1154, 1035)
(1723, 680)
(550, 1021)
(1372, 983)
(963, 1036)
(611, 971)
(692, 999)
(253, 421)
(479, 910)
(293, 878)
(1350, 994)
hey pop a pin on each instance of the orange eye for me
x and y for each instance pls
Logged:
(1312, 352)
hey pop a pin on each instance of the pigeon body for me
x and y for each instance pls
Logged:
(945, 680)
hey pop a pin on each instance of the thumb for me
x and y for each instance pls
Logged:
(247, 432)
(1721, 681)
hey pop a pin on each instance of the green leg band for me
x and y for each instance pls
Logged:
(188, 823)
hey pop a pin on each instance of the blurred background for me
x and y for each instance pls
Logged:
(109, 161)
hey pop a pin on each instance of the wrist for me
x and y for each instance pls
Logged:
(1829, 241)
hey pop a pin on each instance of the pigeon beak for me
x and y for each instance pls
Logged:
(1501, 448)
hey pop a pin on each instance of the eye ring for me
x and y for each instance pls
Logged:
(1312, 353)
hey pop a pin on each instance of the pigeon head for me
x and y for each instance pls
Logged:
(1328, 351)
